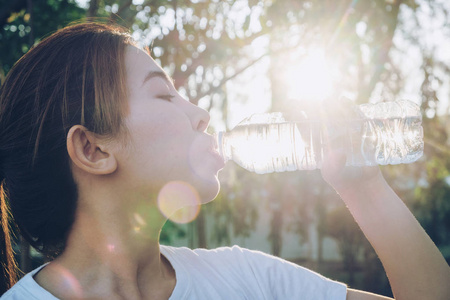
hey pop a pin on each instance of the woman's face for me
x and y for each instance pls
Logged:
(167, 140)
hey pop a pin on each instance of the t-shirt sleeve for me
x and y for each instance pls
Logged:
(27, 288)
(286, 280)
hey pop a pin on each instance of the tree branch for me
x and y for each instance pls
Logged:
(124, 6)
(224, 80)
(30, 12)
(240, 71)
(364, 94)
(93, 9)
(113, 17)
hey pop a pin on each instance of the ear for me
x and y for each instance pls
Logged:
(89, 152)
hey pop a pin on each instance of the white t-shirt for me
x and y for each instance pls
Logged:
(223, 273)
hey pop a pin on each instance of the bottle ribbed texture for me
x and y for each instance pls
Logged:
(379, 134)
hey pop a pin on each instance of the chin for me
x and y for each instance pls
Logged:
(180, 200)
(209, 190)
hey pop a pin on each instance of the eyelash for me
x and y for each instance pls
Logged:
(166, 97)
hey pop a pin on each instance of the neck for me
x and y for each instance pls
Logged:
(114, 249)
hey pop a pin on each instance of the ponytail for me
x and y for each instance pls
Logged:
(8, 264)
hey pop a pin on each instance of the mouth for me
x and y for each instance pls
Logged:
(214, 150)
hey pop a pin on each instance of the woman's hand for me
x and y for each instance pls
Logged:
(346, 178)
(334, 171)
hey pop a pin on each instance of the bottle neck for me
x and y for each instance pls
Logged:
(220, 139)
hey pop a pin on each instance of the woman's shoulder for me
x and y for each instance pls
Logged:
(203, 253)
(226, 251)
(256, 269)
(230, 258)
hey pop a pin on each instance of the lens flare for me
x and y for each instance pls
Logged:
(138, 222)
(67, 281)
(179, 202)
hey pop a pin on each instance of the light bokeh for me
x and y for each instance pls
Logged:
(179, 202)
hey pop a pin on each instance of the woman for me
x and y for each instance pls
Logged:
(92, 132)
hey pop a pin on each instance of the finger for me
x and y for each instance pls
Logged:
(338, 117)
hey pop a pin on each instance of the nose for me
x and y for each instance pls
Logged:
(199, 117)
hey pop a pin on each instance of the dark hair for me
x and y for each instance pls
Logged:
(75, 76)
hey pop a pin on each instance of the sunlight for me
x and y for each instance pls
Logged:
(310, 79)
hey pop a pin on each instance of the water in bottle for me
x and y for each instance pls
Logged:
(383, 133)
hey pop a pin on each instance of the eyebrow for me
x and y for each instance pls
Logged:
(158, 74)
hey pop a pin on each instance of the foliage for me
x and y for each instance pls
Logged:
(344, 229)
(170, 232)
(432, 205)
(22, 25)
(235, 210)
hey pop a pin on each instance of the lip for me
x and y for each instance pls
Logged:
(218, 158)
(213, 149)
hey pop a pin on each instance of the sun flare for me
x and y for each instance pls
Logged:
(310, 79)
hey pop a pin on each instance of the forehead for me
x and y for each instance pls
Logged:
(138, 64)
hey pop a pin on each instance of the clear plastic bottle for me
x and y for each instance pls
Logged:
(380, 134)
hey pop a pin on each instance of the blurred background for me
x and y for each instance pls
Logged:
(237, 58)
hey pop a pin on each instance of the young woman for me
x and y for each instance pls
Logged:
(92, 132)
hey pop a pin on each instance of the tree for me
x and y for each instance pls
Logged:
(344, 229)
(22, 24)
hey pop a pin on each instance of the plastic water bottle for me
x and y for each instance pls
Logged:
(379, 134)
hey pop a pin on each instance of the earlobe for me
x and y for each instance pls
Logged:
(90, 153)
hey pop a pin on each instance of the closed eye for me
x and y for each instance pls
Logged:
(167, 97)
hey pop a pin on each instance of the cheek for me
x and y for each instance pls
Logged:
(162, 146)
(159, 138)
(154, 129)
